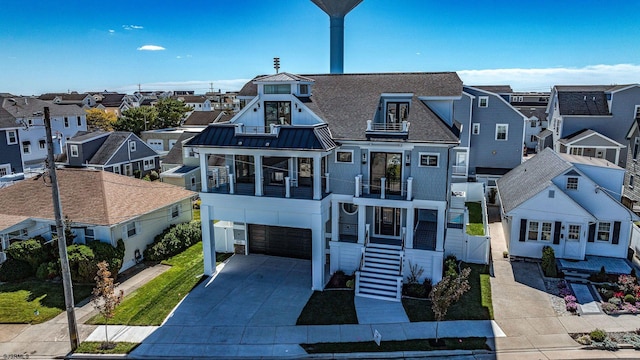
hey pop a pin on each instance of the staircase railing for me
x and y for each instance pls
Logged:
(366, 234)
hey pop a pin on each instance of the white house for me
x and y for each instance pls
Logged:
(100, 205)
(568, 202)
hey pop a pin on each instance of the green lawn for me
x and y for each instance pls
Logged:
(475, 225)
(475, 304)
(476, 343)
(93, 347)
(329, 307)
(19, 301)
(151, 303)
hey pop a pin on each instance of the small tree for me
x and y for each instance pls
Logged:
(105, 297)
(447, 292)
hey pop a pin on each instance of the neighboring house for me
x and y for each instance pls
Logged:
(224, 101)
(10, 150)
(335, 169)
(181, 166)
(100, 205)
(83, 100)
(118, 152)
(28, 114)
(492, 131)
(631, 192)
(608, 110)
(204, 118)
(533, 105)
(587, 142)
(117, 103)
(196, 102)
(163, 140)
(568, 202)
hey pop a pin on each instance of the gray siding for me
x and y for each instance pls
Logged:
(485, 150)
(462, 114)
(123, 154)
(86, 151)
(430, 183)
(343, 175)
(633, 169)
(11, 154)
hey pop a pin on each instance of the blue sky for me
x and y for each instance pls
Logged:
(48, 46)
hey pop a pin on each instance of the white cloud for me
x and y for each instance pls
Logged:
(132, 27)
(151, 48)
(178, 57)
(544, 78)
(111, 31)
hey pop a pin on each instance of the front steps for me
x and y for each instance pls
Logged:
(379, 276)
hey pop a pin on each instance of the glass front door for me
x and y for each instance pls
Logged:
(387, 221)
(388, 166)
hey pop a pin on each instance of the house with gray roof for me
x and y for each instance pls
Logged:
(350, 171)
(608, 110)
(118, 152)
(533, 105)
(570, 203)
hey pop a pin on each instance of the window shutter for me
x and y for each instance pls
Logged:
(523, 229)
(592, 233)
(556, 232)
(616, 233)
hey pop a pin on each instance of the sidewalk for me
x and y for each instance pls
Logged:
(51, 339)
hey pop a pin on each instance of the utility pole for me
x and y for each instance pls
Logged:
(62, 238)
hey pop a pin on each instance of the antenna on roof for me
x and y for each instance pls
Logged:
(276, 64)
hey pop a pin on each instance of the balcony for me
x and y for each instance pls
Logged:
(272, 129)
(289, 189)
(393, 190)
(459, 170)
(387, 129)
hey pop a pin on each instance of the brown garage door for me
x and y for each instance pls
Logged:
(280, 241)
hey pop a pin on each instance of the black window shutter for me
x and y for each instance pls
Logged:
(592, 232)
(616, 233)
(556, 232)
(523, 229)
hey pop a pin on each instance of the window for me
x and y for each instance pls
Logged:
(344, 157)
(533, 123)
(397, 112)
(79, 120)
(42, 144)
(89, 235)
(572, 183)
(631, 181)
(576, 151)
(501, 131)
(574, 233)
(539, 231)
(637, 112)
(604, 231)
(175, 211)
(483, 101)
(149, 164)
(552, 194)
(12, 137)
(636, 146)
(26, 147)
(429, 160)
(66, 121)
(545, 234)
(303, 89)
(74, 150)
(132, 145)
(4, 169)
(116, 169)
(277, 89)
(277, 113)
(475, 129)
(53, 230)
(349, 209)
(533, 230)
(533, 138)
(131, 229)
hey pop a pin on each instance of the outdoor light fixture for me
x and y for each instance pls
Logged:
(364, 157)
(407, 160)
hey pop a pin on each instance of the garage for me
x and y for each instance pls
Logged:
(280, 241)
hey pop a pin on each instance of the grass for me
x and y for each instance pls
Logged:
(94, 347)
(152, 302)
(475, 343)
(19, 301)
(329, 307)
(475, 304)
(475, 226)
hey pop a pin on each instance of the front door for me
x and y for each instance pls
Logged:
(387, 221)
(388, 166)
(573, 241)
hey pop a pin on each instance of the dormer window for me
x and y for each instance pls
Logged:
(277, 113)
(397, 112)
(277, 89)
(303, 89)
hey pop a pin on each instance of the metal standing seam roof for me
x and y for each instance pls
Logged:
(288, 138)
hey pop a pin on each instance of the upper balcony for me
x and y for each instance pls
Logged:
(387, 129)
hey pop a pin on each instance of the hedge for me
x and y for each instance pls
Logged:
(173, 240)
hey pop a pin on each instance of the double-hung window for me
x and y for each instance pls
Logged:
(131, 229)
(604, 231)
(502, 131)
(344, 156)
(429, 160)
(175, 211)
(572, 183)
(12, 137)
(539, 230)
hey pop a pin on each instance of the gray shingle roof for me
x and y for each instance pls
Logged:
(496, 89)
(529, 178)
(174, 156)
(6, 119)
(109, 147)
(112, 100)
(82, 136)
(24, 106)
(583, 103)
(202, 117)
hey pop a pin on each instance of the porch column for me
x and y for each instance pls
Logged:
(617, 155)
(335, 221)
(317, 253)
(410, 221)
(208, 240)
(203, 172)
(317, 178)
(441, 224)
(362, 220)
(292, 164)
(258, 174)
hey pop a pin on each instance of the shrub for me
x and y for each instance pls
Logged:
(631, 299)
(153, 175)
(414, 290)
(30, 251)
(609, 308)
(173, 240)
(571, 306)
(632, 339)
(81, 263)
(606, 344)
(415, 271)
(615, 301)
(48, 270)
(570, 298)
(103, 251)
(428, 285)
(598, 335)
(351, 284)
(197, 204)
(15, 270)
(549, 262)
(450, 266)
(584, 340)
(628, 284)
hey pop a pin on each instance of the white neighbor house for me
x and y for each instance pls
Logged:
(568, 202)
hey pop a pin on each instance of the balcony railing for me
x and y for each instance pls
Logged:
(257, 130)
(402, 127)
(395, 190)
(459, 170)
(227, 184)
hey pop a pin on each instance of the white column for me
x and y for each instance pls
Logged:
(208, 240)
(358, 186)
(287, 187)
(203, 172)
(410, 221)
(409, 188)
(617, 155)
(318, 253)
(441, 224)
(335, 221)
(368, 125)
(327, 189)
(362, 219)
(383, 187)
(232, 184)
(317, 178)
(258, 174)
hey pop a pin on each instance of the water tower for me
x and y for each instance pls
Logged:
(337, 9)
